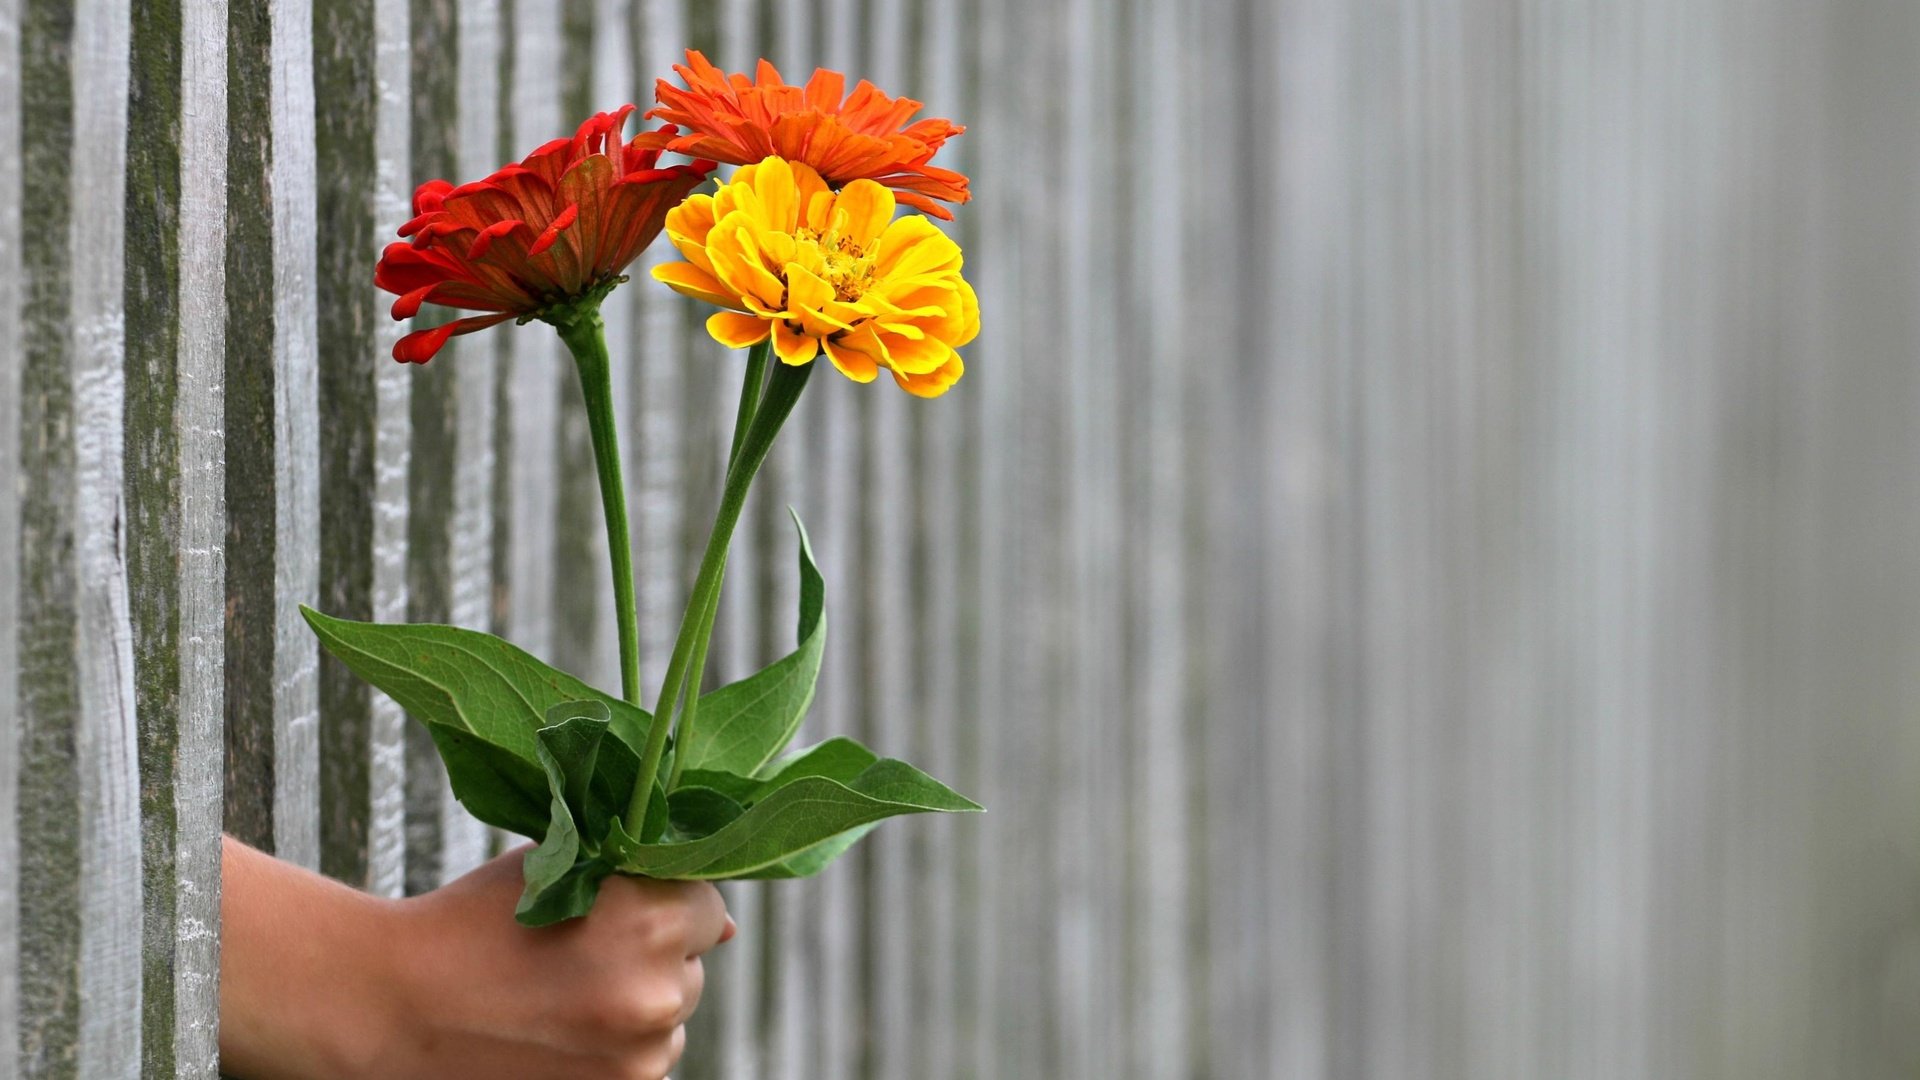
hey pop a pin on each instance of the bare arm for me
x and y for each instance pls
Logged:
(320, 981)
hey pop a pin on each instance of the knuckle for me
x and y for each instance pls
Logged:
(667, 924)
(654, 1007)
(658, 1009)
(660, 1060)
(696, 983)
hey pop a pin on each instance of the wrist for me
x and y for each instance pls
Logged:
(366, 1035)
(308, 981)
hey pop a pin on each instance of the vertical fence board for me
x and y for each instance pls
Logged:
(749, 609)
(1159, 778)
(536, 360)
(991, 442)
(789, 914)
(1093, 853)
(885, 520)
(582, 625)
(49, 814)
(456, 55)
(470, 527)
(12, 361)
(107, 737)
(361, 152)
(940, 648)
(194, 963)
(793, 1024)
(175, 248)
(272, 492)
(654, 411)
(386, 840)
(829, 419)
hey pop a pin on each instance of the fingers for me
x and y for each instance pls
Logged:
(660, 1059)
(707, 923)
(685, 917)
(693, 982)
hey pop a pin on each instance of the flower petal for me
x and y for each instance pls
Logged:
(737, 331)
(793, 347)
(689, 280)
(868, 208)
(421, 345)
(855, 365)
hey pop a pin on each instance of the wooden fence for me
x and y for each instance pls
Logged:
(1424, 566)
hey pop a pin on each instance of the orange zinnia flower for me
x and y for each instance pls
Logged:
(819, 271)
(740, 121)
(551, 230)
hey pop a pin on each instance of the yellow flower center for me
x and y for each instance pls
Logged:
(848, 268)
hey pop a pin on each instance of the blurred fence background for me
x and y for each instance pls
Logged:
(1424, 566)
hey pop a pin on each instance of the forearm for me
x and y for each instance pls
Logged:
(300, 978)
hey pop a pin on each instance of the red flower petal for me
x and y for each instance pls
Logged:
(409, 304)
(555, 228)
(421, 345)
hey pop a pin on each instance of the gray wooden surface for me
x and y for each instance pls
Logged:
(1423, 567)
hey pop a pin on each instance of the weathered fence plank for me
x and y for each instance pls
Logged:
(174, 292)
(362, 153)
(272, 794)
(456, 73)
(939, 645)
(106, 735)
(363, 196)
(787, 914)
(12, 362)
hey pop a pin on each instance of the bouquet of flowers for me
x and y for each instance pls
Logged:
(802, 252)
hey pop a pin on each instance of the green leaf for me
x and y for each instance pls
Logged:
(493, 784)
(468, 681)
(560, 883)
(569, 751)
(741, 789)
(742, 725)
(568, 896)
(813, 860)
(777, 835)
(700, 811)
(838, 758)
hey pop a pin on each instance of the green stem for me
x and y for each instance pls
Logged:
(751, 385)
(783, 390)
(585, 335)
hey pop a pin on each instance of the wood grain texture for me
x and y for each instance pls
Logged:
(653, 428)
(456, 57)
(272, 689)
(363, 394)
(194, 963)
(12, 361)
(584, 639)
(788, 914)
(107, 735)
(536, 362)
(50, 970)
(175, 262)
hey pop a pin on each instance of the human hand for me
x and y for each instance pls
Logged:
(321, 981)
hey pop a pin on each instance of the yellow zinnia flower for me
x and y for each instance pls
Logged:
(819, 269)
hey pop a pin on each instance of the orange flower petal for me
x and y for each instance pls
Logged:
(737, 331)
(791, 346)
(854, 365)
(689, 280)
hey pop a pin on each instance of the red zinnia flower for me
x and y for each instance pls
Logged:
(550, 230)
(741, 121)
